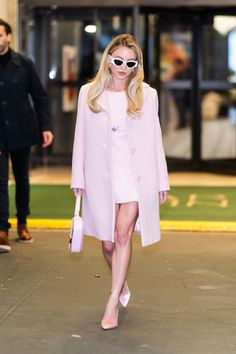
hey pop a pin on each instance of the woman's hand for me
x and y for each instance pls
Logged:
(78, 192)
(162, 196)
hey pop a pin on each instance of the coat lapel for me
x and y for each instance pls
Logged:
(12, 67)
(145, 90)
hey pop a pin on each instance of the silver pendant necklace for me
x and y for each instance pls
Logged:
(115, 129)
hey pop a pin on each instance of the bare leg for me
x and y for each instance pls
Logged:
(125, 222)
(108, 246)
(107, 249)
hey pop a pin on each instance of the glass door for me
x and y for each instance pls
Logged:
(190, 57)
(175, 38)
(167, 42)
(218, 89)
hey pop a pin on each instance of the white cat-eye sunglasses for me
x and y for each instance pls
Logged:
(119, 62)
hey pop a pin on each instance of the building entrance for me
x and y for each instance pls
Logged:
(189, 57)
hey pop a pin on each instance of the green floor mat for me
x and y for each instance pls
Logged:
(184, 203)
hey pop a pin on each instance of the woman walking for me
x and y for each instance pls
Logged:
(118, 162)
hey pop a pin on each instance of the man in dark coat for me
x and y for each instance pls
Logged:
(20, 86)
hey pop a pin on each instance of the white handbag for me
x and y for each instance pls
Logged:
(76, 231)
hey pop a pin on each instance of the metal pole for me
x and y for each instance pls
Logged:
(136, 22)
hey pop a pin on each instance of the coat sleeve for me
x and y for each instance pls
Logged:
(161, 160)
(78, 156)
(40, 98)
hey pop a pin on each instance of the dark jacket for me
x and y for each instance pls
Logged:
(19, 87)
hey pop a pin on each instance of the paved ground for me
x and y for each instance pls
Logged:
(183, 297)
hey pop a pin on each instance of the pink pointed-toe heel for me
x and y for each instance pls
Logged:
(106, 325)
(124, 299)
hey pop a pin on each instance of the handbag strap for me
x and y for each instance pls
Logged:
(77, 205)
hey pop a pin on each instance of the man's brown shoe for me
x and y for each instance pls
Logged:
(4, 242)
(24, 234)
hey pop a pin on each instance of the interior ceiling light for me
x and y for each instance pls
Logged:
(90, 29)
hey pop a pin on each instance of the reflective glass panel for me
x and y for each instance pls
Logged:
(218, 99)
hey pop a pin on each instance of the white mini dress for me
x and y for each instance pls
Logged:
(123, 176)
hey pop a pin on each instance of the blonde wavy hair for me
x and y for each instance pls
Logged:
(133, 88)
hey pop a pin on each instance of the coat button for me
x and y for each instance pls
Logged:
(4, 103)
(133, 151)
(7, 122)
(1, 83)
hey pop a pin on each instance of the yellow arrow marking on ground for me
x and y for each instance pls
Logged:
(191, 200)
(174, 201)
(219, 200)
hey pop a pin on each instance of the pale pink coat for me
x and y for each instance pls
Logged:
(91, 165)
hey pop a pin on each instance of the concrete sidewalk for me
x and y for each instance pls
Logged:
(183, 297)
